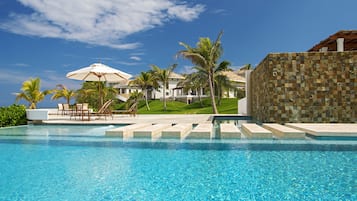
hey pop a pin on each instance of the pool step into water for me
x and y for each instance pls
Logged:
(327, 130)
(178, 131)
(152, 131)
(201, 131)
(125, 131)
(284, 132)
(229, 131)
(251, 130)
(206, 131)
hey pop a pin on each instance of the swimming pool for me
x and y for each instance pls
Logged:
(78, 167)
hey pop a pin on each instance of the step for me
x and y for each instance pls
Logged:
(284, 132)
(230, 131)
(251, 130)
(327, 129)
(178, 131)
(153, 131)
(125, 131)
(201, 131)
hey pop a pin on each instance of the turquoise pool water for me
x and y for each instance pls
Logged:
(60, 167)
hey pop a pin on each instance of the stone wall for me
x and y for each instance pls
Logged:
(316, 87)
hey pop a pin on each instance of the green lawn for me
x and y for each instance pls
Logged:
(228, 106)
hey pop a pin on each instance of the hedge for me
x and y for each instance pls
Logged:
(13, 115)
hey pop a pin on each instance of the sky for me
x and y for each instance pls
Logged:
(48, 39)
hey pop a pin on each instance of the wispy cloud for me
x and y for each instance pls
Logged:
(21, 65)
(128, 63)
(220, 11)
(104, 22)
(49, 79)
(136, 58)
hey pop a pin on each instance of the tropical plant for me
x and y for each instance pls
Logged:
(145, 81)
(134, 99)
(31, 92)
(195, 82)
(163, 75)
(95, 93)
(222, 83)
(13, 115)
(205, 56)
(61, 91)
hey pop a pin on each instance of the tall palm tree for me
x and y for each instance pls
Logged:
(145, 81)
(163, 75)
(31, 92)
(62, 92)
(222, 82)
(205, 56)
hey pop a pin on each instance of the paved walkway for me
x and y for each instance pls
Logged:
(127, 119)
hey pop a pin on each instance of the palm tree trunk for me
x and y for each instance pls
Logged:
(164, 95)
(199, 96)
(146, 100)
(219, 94)
(213, 101)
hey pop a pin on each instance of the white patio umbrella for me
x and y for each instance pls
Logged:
(99, 72)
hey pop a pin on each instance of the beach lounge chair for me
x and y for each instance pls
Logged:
(131, 111)
(60, 109)
(104, 110)
(66, 109)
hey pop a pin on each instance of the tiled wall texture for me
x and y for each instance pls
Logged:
(310, 87)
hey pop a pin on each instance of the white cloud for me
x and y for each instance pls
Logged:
(49, 79)
(187, 70)
(104, 22)
(136, 58)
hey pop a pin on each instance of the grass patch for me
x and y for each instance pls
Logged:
(228, 106)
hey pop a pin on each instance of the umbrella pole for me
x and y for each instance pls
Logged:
(100, 94)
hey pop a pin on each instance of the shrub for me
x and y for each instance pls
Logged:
(13, 115)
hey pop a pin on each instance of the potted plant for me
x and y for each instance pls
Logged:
(31, 92)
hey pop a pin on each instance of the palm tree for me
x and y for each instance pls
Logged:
(134, 99)
(194, 81)
(163, 75)
(222, 82)
(31, 92)
(89, 93)
(205, 56)
(145, 81)
(62, 92)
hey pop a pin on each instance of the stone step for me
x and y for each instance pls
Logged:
(178, 131)
(230, 131)
(251, 130)
(284, 132)
(125, 131)
(201, 131)
(153, 131)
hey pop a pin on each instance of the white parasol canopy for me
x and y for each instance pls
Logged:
(99, 72)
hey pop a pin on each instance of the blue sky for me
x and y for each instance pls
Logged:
(48, 40)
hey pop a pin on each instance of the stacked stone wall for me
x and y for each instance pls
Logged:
(314, 87)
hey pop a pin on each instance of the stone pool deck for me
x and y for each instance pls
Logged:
(288, 131)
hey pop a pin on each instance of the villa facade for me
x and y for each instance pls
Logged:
(317, 86)
(175, 92)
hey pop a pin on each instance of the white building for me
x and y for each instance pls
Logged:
(174, 92)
